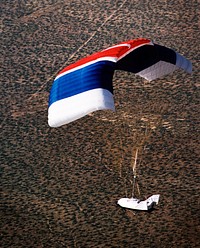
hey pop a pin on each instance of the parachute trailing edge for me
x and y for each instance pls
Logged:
(86, 86)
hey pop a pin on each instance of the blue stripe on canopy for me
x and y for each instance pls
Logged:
(97, 75)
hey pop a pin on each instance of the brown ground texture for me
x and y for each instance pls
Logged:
(60, 186)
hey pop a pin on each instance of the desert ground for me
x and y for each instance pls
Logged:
(60, 186)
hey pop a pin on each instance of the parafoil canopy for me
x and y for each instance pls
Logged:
(86, 86)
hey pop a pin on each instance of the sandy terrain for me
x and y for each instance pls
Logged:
(60, 186)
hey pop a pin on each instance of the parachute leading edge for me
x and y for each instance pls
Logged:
(86, 86)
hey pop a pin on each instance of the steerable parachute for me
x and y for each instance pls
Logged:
(86, 86)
